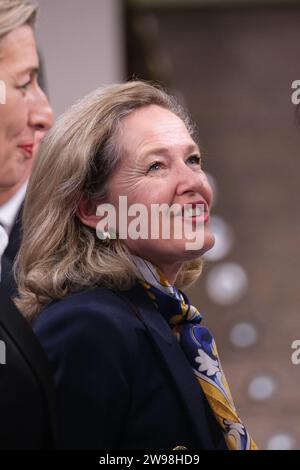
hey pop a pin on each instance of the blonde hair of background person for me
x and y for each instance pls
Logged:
(27, 404)
(25, 114)
(59, 254)
(15, 13)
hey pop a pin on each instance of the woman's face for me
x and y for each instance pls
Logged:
(26, 114)
(161, 164)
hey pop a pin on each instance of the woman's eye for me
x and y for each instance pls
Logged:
(195, 160)
(25, 86)
(154, 166)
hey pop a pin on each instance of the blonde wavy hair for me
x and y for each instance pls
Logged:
(15, 13)
(59, 254)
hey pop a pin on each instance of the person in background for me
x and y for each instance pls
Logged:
(26, 402)
(134, 367)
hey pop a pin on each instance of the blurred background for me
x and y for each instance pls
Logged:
(232, 64)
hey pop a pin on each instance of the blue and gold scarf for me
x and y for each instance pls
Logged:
(200, 349)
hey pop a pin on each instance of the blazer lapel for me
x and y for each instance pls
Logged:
(177, 365)
(15, 237)
(7, 280)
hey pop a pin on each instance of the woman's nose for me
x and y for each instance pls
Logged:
(189, 180)
(41, 114)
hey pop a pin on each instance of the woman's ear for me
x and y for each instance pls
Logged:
(86, 212)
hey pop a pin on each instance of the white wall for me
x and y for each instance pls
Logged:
(82, 45)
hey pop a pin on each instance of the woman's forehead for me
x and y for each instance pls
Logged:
(153, 127)
(18, 50)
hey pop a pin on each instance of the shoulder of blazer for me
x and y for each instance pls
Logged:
(98, 301)
(116, 309)
(81, 315)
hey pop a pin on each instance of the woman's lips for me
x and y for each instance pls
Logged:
(202, 218)
(196, 212)
(27, 149)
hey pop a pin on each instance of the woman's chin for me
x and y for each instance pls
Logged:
(187, 250)
(209, 243)
(196, 248)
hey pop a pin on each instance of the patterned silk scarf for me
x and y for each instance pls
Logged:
(200, 350)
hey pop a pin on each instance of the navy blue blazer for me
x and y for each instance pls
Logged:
(27, 411)
(122, 380)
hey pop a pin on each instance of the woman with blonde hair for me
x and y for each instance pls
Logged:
(26, 401)
(134, 367)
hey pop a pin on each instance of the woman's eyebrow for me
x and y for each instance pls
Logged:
(166, 150)
(32, 70)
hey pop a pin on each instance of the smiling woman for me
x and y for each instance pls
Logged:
(26, 406)
(134, 367)
(26, 109)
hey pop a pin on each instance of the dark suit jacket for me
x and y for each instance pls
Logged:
(122, 380)
(26, 388)
(7, 279)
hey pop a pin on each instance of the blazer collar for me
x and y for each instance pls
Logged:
(177, 365)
